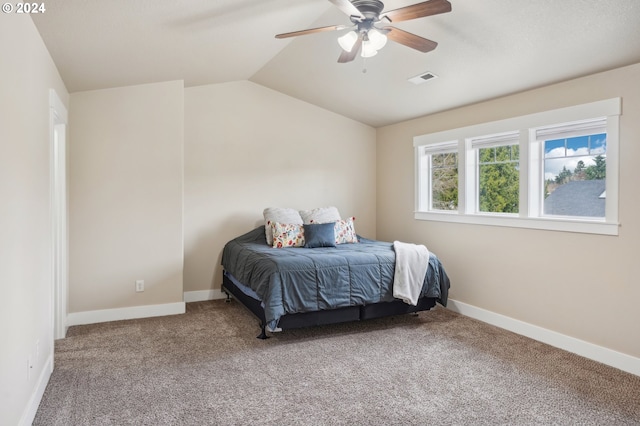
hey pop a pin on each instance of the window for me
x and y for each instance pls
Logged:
(440, 163)
(497, 175)
(575, 169)
(554, 170)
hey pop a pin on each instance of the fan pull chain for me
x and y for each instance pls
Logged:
(364, 65)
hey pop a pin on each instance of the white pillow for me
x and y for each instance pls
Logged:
(281, 215)
(320, 215)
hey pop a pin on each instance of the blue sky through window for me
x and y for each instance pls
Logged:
(566, 153)
(578, 144)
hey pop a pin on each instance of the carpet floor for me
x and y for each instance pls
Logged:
(206, 367)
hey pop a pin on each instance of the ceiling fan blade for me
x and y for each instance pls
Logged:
(350, 56)
(347, 7)
(410, 40)
(312, 31)
(420, 10)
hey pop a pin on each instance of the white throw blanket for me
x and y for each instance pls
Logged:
(412, 261)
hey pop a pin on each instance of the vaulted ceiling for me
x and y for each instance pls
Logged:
(486, 49)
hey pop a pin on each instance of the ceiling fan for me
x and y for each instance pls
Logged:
(369, 38)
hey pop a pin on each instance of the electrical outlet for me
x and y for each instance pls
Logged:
(139, 286)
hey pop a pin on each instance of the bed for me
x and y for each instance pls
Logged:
(295, 287)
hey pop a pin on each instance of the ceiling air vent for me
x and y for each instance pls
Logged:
(419, 79)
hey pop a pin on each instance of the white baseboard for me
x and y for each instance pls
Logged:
(601, 354)
(105, 315)
(203, 295)
(32, 407)
(134, 312)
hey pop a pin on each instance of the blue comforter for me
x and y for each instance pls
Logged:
(292, 280)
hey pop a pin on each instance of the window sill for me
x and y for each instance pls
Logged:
(548, 224)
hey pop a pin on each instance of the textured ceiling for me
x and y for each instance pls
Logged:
(486, 49)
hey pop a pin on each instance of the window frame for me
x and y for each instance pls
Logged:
(473, 146)
(425, 164)
(537, 143)
(531, 161)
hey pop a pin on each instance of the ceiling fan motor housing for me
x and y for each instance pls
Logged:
(371, 9)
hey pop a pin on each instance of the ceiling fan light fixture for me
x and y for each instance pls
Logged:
(348, 40)
(368, 50)
(377, 39)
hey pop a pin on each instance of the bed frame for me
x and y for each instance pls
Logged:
(332, 316)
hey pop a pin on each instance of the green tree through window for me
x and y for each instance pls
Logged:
(499, 179)
(444, 176)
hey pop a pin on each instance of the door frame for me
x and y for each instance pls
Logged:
(59, 214)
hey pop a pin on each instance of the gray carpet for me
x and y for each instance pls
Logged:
(440, 368)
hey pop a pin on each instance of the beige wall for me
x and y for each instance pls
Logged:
(125, 196)
(26, 75)
(248, 147)
(580, 285)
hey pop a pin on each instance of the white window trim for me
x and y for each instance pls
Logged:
(528, 216)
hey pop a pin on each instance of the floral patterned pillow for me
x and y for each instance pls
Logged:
(287, 235)
(345, 231)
